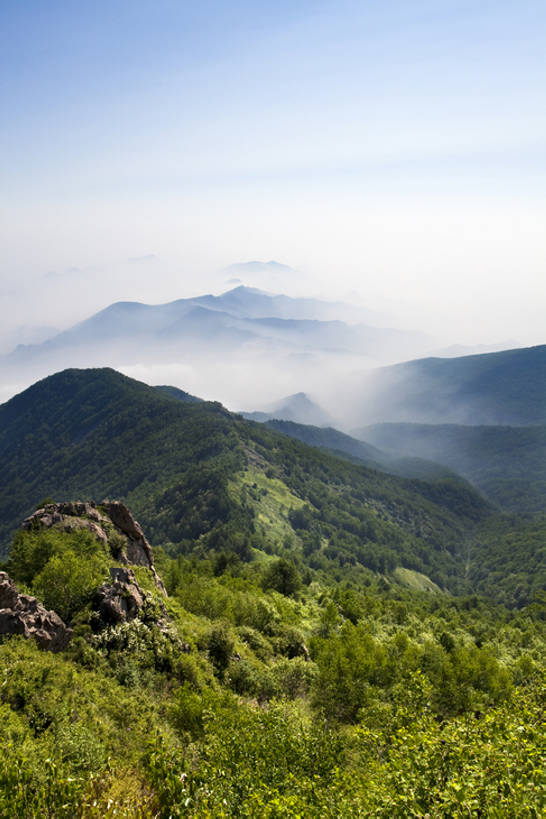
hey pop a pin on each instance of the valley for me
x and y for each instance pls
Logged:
(373, 606)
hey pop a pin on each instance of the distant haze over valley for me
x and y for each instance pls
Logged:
(246, 346)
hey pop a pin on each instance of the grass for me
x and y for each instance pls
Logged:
(415, 581)
(271, 499)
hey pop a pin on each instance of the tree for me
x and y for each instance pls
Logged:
(282, 576)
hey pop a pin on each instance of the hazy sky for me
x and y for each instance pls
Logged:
(393, 152)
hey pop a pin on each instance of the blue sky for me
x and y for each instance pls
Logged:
(394, 149)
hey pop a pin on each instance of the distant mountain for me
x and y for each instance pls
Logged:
(503, 388)
(25, 335)
(242, 327)
(251, 302)
(507, 463)
(299, 408)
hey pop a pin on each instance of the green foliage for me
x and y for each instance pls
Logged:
(251, 754)
(407, 706)
(512, 559)
(294, 669)
(220, 645)
(62, 569)
(67, 582)
(282, 576)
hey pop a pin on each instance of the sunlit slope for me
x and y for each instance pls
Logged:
(96, 433)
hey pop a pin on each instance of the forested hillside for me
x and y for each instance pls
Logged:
(345, 446)
(507, 463)
(200, 478)
(254, 689)
(329, 644)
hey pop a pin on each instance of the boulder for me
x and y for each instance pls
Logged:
(23, 614)
(120, 600)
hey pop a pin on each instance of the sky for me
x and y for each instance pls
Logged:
(393, 153)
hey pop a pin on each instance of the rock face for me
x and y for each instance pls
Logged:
(138, 549)
(120, 600)
(101, 521)
(69, 516)
(22, 614)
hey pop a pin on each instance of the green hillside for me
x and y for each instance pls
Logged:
(252, 690)
(317, 653)
(201, 478)
(507, 463)
(504, 388)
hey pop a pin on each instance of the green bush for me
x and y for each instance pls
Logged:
(68, 581)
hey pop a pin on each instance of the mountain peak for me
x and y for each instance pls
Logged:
(297, 407)
(244, 288)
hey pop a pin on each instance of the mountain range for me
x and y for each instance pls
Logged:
(179, 463)
(201, 477)
(239, 315)
(243, 327)
(244, 345)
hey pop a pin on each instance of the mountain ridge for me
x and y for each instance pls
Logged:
(500, 388)
(188, 469)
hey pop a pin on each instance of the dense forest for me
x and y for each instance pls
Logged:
(333, 641)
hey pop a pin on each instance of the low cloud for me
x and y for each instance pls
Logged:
(60, 274)
(150, 257)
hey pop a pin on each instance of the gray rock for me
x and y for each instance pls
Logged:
(68, 517)
(139, 550)
(23, 614)
(120, 600)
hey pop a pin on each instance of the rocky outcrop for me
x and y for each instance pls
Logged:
(102, 521)
(23, 614)
(138, 549)
(69, 516)
(120, 600)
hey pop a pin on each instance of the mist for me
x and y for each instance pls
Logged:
(390, 157)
